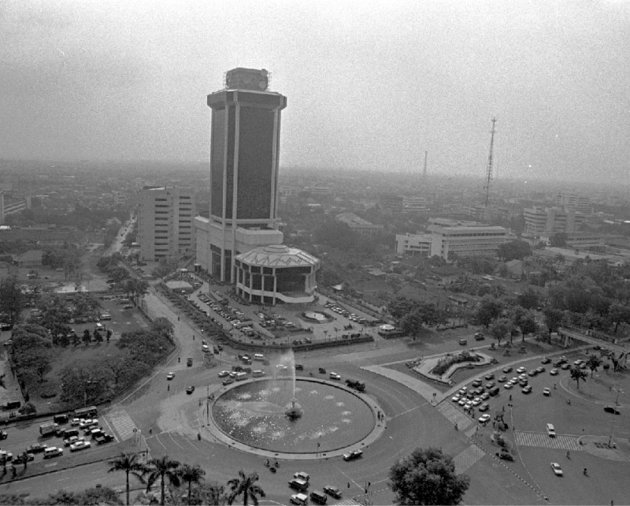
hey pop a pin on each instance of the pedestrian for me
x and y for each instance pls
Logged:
(510, 397)
(348, 484)
(168, 388)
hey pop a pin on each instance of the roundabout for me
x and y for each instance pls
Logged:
(254, 416)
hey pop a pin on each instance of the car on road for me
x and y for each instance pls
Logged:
(37, 448)
(554, 372)
(612, 410)
(354, 454)
(502, 379)
(79, 445)
(546, 391)
(507, 370)
(6, 456)
(332, 491)
(545, 360)
(334, 376)
(489, 376)
(479, 336)
(485, 418)
(190, 389)
(189, 362)
(205, 348)
(463, 342)
(52, 451)
(20, 458)
(223, 374)
(557, 470)
(521, 370)
(170, 376)
(228, 381)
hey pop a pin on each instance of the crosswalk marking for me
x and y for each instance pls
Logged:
(122, 423)
(467, 458)
(542, 440)
(455, 416)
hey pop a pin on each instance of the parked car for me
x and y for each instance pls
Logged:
(546, 391)
(463, 342)
(299, 499)
(190, 389)
(553, 372)
(4, 434)
(223, 374)
(505, 456)
(301, 475)
(170, 376)
(52, 451)
(37, 448)
(484, 407)
(334, 376)
(557, 470)
(485, 418)
(79, 445)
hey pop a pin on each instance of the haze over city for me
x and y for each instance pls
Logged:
(370, 85)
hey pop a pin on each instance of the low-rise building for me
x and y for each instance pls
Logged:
(359, 225)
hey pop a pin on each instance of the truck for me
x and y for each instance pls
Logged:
(48, 429)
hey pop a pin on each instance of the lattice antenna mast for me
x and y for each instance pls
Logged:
(489, 169)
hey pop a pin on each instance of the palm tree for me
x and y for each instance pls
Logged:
(212, 493)
(128, 462)
(578, 374)
(191, 474)
(162, 468)
(245, 485)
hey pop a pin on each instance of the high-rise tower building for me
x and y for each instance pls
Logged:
(244, 152)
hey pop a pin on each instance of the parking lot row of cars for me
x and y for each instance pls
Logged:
(346, 314)
(301, 483)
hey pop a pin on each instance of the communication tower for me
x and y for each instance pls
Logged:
(486, 187)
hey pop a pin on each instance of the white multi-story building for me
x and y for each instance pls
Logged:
(165, 222)
(449, 238)
(545, 222)
(413, 244)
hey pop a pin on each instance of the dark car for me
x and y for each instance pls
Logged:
(190, 389)
(189, 362)
(507, 370)
(489, 376)
(463, 342)
(322, 370)
(37, 448)
(103, 438)
(505, 456)
(545, 360)
(299, 367)
(4, 434)
(332, 491)
(20, 458)
(612, 410)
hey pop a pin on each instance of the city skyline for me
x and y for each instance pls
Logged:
(369, 87)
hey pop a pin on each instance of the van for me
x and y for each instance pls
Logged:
(60, 419)
(257, 373)
(68, 433)
(494, 391)
(52, 451)
(551, 430)
(318, 497)
(299, 499)
(240, 376)
(259, 357)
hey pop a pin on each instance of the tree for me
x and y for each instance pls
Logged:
(578, 375)
(500, 329)
(529, 299)
(488, 310)
(619, 313)
(245, 486)
(524, 320)
(136, 288)
(514, 250)
(96, 496)
(427, 477)
(212, 493)
(593, 363)
(553, 318)
(558, 240)
(162, 326)
(129, 464)
(163, 469)
(11, 299)
(191, 474)
(401, 307)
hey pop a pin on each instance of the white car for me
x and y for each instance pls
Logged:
(79, 445)
(508, 385)
(205, 348)
(170, 376)
(223, 374)
(485, 418)
(476, 401)
(557, 470)
(521, 370)
(334, 376)
(546, 391)
(455, 398)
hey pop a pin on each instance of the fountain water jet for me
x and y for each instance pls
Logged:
(287, 362)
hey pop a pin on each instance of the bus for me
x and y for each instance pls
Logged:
(89, 412)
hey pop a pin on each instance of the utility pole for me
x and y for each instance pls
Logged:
(489, 168)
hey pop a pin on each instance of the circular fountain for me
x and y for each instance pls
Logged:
(293, 415)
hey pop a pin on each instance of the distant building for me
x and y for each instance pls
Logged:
(413, 244)
(165, 222)
(414, 204)
(545, 222)
(573, 202)
(391, 202)
(358, 224)
(452, 238)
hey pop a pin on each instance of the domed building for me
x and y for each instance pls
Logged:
(276, 273)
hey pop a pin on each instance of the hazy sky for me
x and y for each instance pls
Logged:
(370, 85)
